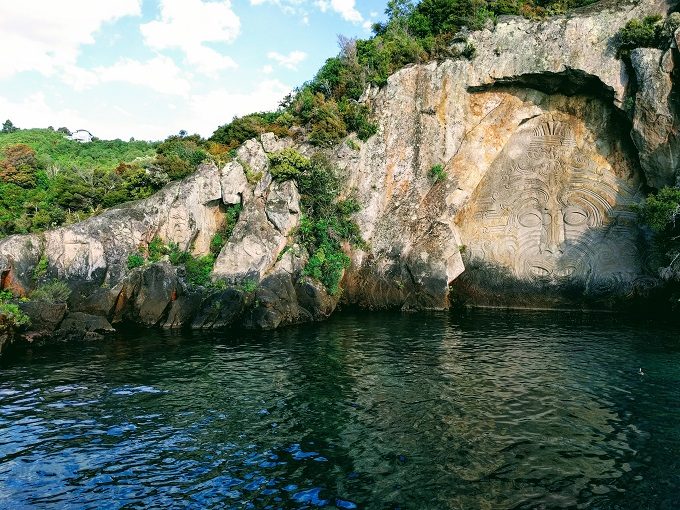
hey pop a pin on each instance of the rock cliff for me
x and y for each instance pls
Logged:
(547, 142)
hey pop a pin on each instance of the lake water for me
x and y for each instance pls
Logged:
(490, 409)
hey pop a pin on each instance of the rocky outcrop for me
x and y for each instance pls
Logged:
(533, 124)
(655, 125)
(547, 142)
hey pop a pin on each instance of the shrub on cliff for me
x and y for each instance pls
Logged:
(645, 33)
(11, 316)
(135, 260)
(179, 156)
(288, 164)
(662, 213)
(326, 223)
(55, 291)
(199, 269)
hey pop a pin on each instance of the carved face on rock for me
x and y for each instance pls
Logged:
(547, 211)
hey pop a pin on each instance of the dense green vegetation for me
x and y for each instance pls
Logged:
(55, 291)
(326, 223)
(661, 211)
(650, 32)
(47, 180)
(11, 317)
(437, 173)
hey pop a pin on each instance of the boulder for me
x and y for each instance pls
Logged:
(82, 326)
(45, 318)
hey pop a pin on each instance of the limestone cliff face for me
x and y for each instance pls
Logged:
(543, 166)
(544, 156)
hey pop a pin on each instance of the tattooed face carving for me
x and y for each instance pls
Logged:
(547, 211)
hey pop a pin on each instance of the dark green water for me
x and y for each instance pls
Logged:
(489, 410)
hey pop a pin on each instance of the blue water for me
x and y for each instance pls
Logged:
(486, 410)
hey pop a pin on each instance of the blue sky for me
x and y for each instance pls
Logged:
(148, 68)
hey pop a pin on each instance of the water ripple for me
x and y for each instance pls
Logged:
(489, 410)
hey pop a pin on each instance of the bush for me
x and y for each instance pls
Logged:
(662, 211)
(216, 244)
(327, 265)
(55, 291)
(199, 269)
(250, 126)
(40, 269)
(288, 164)
(437, 173)
(177, 257)
(326, 224)
(232, 215)
(156, 249)
(249, 285)
(469, 51)
(135, 260)
(11, 316)
(646, 33)
(356, 118)
(220, 238)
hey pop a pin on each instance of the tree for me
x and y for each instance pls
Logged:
(398, 9)
(19, 166)
(9, 127)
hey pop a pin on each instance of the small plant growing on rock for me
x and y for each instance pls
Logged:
(220, 238)
(156, 249)
(252, 176)
(232, 216)
(176, 256)
(437, 173)
(11, 316)
(199, 269)
(646, 33)
(41, 268)
(353, 145)
(288, 164)
(469, 52)
(135, 260)
(55, 291)
(249, 285)
(216, 244)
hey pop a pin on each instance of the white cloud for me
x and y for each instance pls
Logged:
(345, 8)
(45, 36)
(207, 111)
(159, 74)
(267, 69)
(289, 61)
(189, 24)
(287, 6)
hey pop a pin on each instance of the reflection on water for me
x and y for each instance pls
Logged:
(489, 410)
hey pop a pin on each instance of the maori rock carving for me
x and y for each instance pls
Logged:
(552, 211)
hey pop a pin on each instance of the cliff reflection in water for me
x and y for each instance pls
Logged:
(504, 410)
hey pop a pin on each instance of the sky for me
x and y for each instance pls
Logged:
(146, 69)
